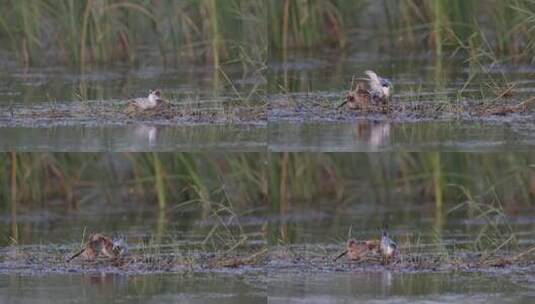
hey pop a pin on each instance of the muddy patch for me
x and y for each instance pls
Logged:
(323, 258)
(303, 107)
(116, 113)
(34, 259)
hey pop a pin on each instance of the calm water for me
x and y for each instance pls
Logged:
(383, 287)
(387, 287)
(139, 223)
(330, 222)
(139, 137)
(116, 288)
(366, 136)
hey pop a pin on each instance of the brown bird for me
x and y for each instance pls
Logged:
(374, 90)
(356, 250)
(99, 244)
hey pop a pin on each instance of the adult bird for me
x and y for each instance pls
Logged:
(387, 247)
(374, 90)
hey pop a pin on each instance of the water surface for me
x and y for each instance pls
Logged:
(135, 138)
(387, 287)
(118, 288)
(369, 136)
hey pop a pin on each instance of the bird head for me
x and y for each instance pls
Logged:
(154, 96)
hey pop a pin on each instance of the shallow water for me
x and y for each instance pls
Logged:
(331, 224)
(369, 136)
(118, 288)
(386, 287)
(135, 138)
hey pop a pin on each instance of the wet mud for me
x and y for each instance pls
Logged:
(161, 259)
(117, 113)
(322, 258)
(305, 107)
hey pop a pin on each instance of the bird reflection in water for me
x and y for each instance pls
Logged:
(146, 132)
(374, 133)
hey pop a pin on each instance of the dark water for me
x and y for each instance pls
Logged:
(408, 222)
(366, 136)
(58, 83)
(136, 138)
(387, 287)
(59, 226)
(117, 288)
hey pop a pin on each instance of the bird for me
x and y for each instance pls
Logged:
(379, 87)
(387, 247)
(152, 101)
(99, 244)
(356, 250)
(375, 90)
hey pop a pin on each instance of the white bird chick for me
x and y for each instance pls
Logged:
(150, 102)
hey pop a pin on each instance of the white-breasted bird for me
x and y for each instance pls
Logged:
(372, 90)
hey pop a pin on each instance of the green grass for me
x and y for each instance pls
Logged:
(91, 32)
(503, 27)
(394, 178)
(163, 179)
(88, 32)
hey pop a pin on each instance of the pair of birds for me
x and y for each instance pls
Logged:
(374, 90)
(101, 245)
(357, 250)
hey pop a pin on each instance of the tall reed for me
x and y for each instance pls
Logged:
(105, 31)
(167, 179)
(440, 25)
(394, 178)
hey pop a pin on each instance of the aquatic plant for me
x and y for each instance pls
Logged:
(158, 177)
(305, 24)
(438, 25)
(439, 181)
(87, 32)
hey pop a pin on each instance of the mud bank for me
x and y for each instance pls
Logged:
(325, 107)
(53, 259)
(115, 113)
